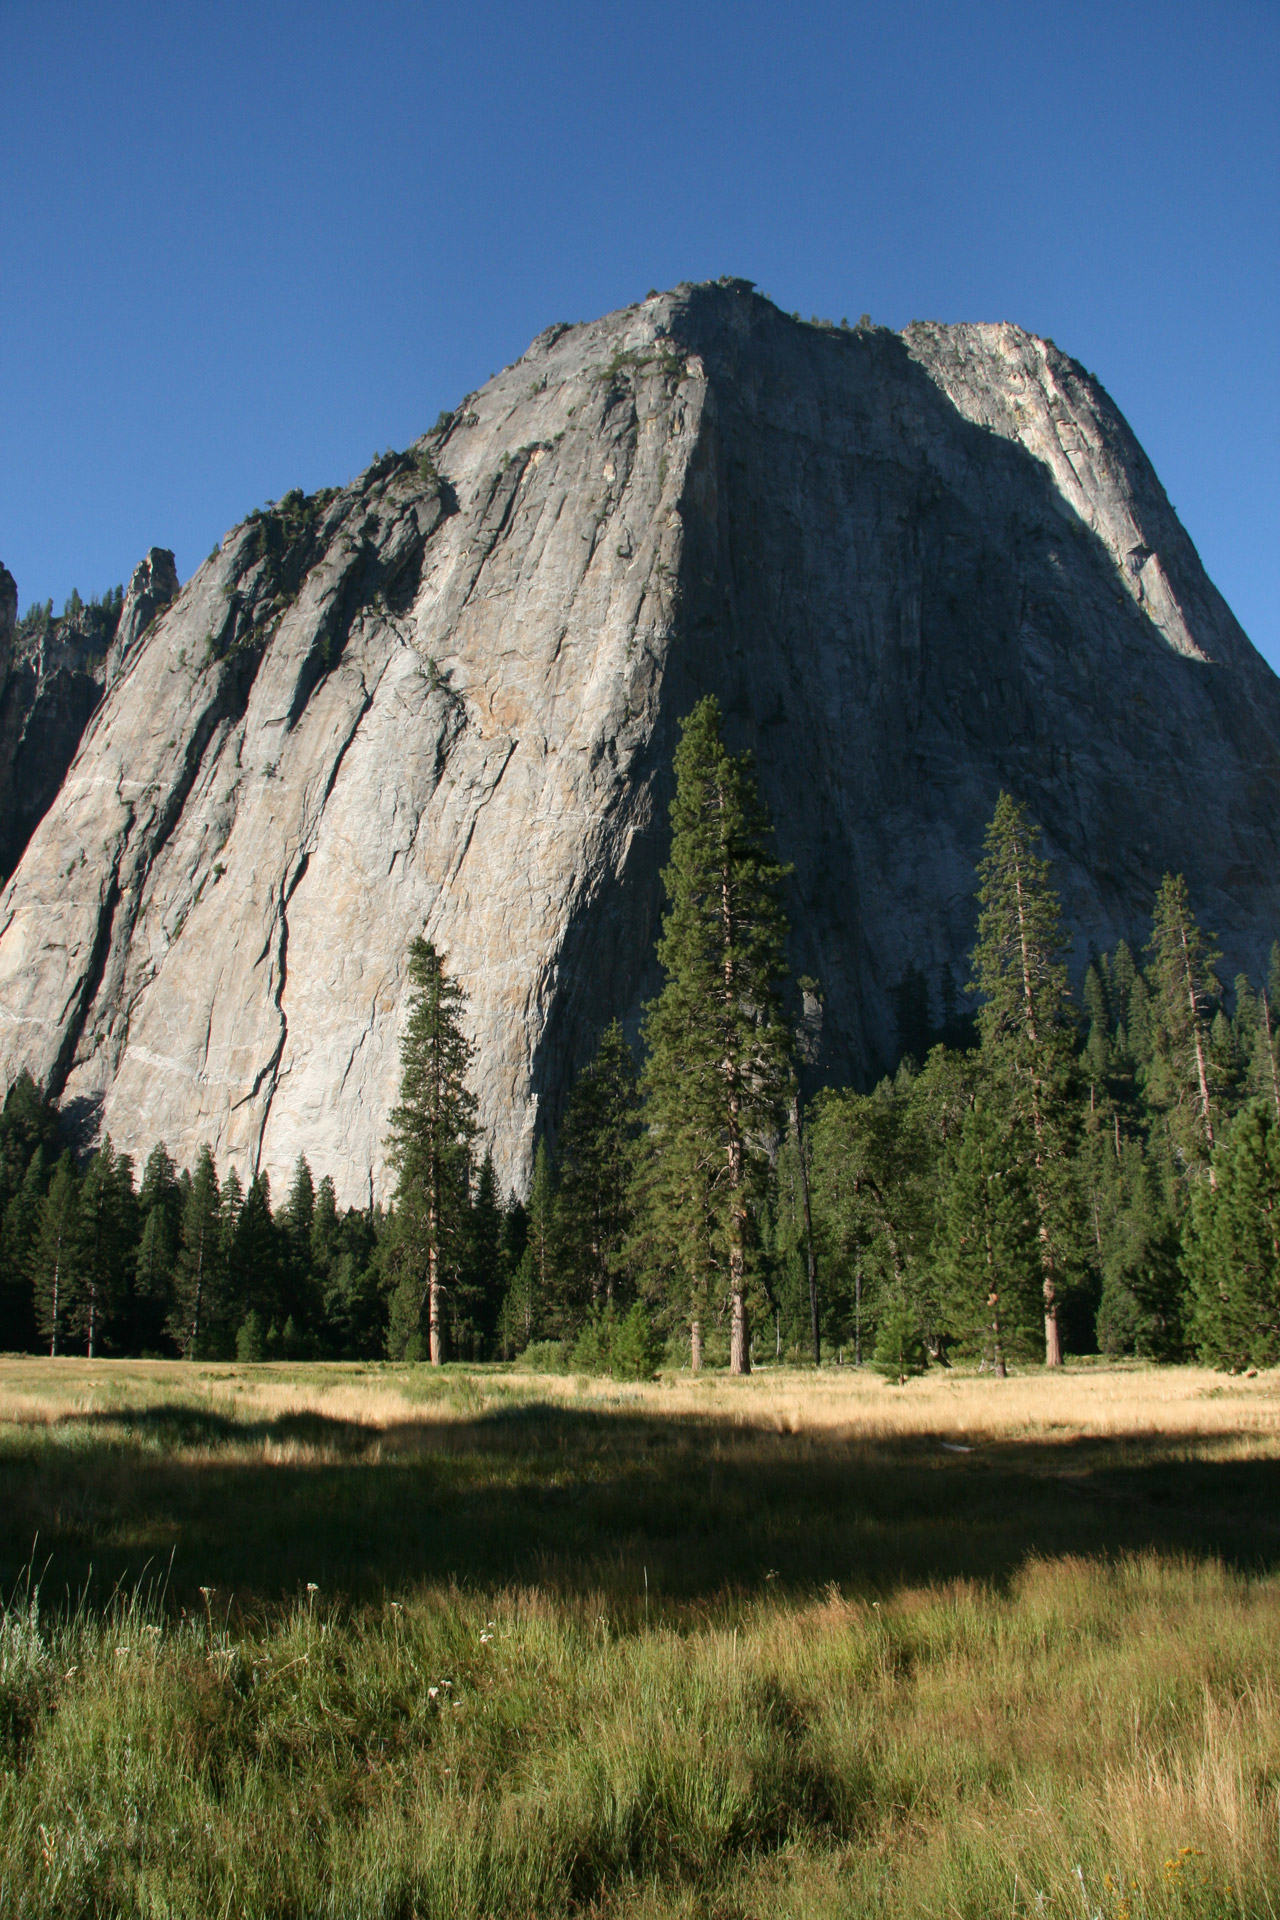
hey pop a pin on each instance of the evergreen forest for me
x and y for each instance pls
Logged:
(1056, 1166)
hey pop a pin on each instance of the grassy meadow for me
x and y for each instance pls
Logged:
(368, 1640)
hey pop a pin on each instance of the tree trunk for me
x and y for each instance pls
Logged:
(740, 1334)
(57, 1275)
(1052, 1338)
(997, 1346)
(808, 1238)
(1202, 1072)
(695, 1346)
(434, 1333)
(93, 1317)
(195, 1313)
(857, 1315)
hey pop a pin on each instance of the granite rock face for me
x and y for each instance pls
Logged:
(52, 676)
(915, 568)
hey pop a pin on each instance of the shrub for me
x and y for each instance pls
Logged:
(545, 1356)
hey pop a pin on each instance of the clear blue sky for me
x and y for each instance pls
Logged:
(244, 247)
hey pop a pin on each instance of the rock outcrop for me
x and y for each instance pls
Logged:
(915, 568)
(52, 675)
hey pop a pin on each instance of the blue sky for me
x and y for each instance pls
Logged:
(243, 248)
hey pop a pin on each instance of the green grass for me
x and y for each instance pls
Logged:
(526, 1655)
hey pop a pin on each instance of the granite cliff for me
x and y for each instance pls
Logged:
(52, 675)
(914, 567)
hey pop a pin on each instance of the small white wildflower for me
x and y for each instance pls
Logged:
(312, 1587)
(446, 1683)
(484, 1638)
(433, 1693)
(122, 1649)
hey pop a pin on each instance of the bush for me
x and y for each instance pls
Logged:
(544, 1356)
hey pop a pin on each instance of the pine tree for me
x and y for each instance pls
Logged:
(537, 1302)
(254, 1280)
(108, 1208)
(197, 1291)
(301, 1293)
(987, 1245)
(1185, 991)
(1231, 1242)
(595, 1158)
(1026, 1033)
(900, 1349)
(160, 1209)
(718, 1069)
(58, 1255)
(483, 1283)
(431, 1131)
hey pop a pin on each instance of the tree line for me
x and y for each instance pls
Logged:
(1060, 1172)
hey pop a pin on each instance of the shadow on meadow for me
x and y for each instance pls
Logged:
(658, 1515)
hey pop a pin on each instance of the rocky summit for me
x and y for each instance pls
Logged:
(915, 568)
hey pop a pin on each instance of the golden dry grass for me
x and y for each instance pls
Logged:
(1095, 1401)
(800, 1645)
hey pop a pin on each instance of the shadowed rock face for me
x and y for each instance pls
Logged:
(915, 568)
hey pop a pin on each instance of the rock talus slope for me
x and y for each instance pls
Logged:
(915, 568)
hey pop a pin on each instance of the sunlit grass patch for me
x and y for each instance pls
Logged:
(308, 1644)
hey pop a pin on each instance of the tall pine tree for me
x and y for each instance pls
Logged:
(431, 1130)
(1026, 1033)
(718, 1067)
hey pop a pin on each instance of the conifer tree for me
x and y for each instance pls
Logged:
(483, 1282)
(160, 1210)
(987, 1246)
(198, 1276)
(1185, 991)
(431, 1130)
(1025, 1028)
(58, 1255)
(1231, 1246)
(254, 1281)
(593, 1195)
(718, 1068)
(108, 1208)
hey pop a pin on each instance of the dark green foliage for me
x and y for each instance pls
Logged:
(1232, 1248)
(593, 1203)
(987, 1246)
(637, 1346)
(28, 1150)
(1027, 1036)
(57, 1257)
(718, 1063)
(431, 1130)
(900, 1348)
(200, 1266)
(109, 1233)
